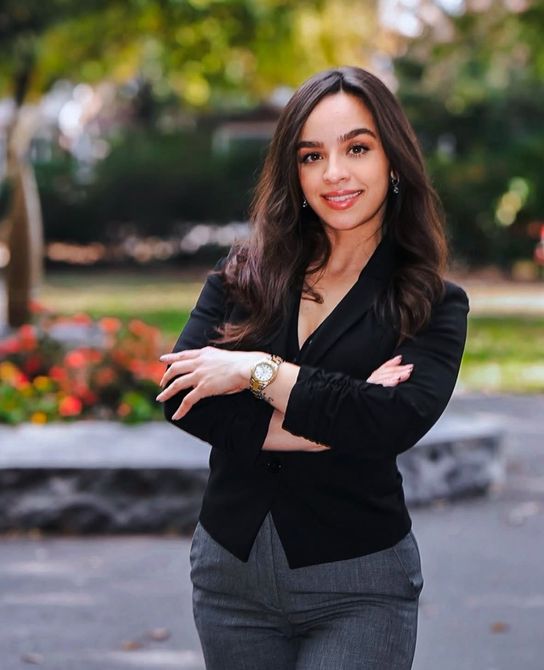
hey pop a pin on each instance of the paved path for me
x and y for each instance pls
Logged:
(488, 297)
(100, 603)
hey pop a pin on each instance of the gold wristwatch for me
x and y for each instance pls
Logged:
(263, 373)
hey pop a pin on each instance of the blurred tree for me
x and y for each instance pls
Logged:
(475, 94)
(22, 24)
(210, 53)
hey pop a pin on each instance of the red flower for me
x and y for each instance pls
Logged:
(10, 346)
(32, 365)
(19, 380)
(37, 307)
(81, 318)
(93, 355)
(88, 397)
(57, 373)
(70, 406)
(27, 337)
(75, 359)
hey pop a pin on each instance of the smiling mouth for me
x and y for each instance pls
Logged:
(344, 197)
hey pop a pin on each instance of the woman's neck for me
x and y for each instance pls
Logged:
(350, 253)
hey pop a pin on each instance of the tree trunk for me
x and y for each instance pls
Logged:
(25, 237)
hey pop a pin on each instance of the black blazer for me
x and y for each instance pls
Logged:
(347, 501)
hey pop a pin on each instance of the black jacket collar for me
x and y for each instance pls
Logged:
(373, 278)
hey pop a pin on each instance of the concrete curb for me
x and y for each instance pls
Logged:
(97, 476)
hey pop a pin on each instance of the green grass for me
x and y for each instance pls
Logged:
(503, 353)
(160, 300)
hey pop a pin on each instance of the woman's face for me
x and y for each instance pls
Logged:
(343, 170)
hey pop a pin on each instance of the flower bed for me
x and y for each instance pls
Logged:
(62, 368)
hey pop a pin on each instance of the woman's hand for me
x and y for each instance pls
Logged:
(208, 371)
(391, 372)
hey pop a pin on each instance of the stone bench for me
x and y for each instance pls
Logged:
(97, 476)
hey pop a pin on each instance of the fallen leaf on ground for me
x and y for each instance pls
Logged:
(131, 645)
(159, 634)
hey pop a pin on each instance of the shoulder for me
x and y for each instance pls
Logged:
(212, 297)
(215, 277)
(218, 291)
(449, 314)
(455, 294)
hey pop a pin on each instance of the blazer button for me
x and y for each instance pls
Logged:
(273, 465)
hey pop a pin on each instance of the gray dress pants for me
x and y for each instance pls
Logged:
(356, 614)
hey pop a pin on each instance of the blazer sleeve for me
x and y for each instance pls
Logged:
(370, 420)
(236, 422)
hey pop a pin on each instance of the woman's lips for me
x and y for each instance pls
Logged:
(341, 199)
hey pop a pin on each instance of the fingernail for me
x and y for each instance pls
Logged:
(158, 397)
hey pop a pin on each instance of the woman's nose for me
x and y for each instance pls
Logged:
(335, 170)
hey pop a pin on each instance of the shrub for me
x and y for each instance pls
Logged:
(49, 373)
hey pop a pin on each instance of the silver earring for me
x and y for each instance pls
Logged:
(395, 184)
(305, 203)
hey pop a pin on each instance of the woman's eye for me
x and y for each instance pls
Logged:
(310, 158)
(358, 149)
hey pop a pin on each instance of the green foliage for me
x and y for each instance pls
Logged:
(476, 102)
(209, 53)
(151, 181)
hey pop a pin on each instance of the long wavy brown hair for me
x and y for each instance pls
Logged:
(285, 238)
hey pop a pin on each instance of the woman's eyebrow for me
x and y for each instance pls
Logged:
(310, 144)
(353, 133)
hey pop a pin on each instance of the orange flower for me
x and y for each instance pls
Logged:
(104, 376)
(120, 357)
(110, 324)
(70, 406)
(124, 409)
(139, 327)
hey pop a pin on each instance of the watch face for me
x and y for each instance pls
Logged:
(263, 372)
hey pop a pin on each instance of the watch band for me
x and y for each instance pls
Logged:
(257, 385)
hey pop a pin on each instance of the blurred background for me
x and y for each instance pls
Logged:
(131, 136)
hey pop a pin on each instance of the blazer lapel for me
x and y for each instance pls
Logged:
(372, 280)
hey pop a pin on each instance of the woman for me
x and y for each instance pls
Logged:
(319, 349)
